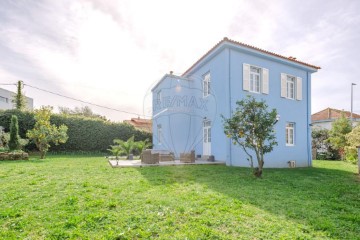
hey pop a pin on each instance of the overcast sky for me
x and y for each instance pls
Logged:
(112, 52)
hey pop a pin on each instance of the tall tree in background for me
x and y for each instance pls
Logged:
(14, 142)
(252, 127)
(19, 99)
(337, 134)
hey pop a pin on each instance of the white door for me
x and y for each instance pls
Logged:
(207, 138)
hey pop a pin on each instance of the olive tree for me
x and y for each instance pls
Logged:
(45, 133)
(251, 127)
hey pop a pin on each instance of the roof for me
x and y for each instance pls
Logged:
(141, 124)
(331, 114)
(239, 44)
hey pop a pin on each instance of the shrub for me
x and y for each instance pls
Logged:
(14, 142)
(85, 134)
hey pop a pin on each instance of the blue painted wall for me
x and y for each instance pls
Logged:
(182, 125)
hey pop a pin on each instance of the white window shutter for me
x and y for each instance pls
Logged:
(298, 88)
(265, 81)
(283, 85)
(246, 77)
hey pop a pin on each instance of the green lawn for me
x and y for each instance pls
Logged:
(80, 197)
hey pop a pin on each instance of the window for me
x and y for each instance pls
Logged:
(290, 134)
(207, 131)
(206, 85)
(291, 87)
(255, 79)
(159, 133)
(158, 97)
(4, 99)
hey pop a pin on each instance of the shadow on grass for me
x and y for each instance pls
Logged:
(325, 199)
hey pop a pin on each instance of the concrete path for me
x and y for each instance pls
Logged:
(137, 163)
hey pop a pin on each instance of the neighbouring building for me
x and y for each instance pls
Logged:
(141, 124)
(187, 109)
(325, 118)
(6, 103)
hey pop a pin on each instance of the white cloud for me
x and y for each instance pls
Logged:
(111, 52)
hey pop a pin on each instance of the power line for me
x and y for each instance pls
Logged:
(82, 101)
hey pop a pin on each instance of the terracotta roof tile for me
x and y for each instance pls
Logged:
(292, 59)
(141, 124)
(331, 113)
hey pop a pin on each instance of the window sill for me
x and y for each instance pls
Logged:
(290, 145)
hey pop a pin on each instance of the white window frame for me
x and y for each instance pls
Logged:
(158, 97)
(290, 134)
(4, 99)
(255, 79)
(206, 84)
(290, 87)
(159, 133)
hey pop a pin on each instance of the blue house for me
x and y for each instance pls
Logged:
(187, 109)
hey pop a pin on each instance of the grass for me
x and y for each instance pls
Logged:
(82, 197)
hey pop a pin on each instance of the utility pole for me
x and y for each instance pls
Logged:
(351, 113)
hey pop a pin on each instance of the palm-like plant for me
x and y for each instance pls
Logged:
(115, 150)
(142, 145)
(123, 146)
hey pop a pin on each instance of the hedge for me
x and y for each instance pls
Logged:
(85, 134)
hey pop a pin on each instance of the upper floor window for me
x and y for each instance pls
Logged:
(206, 84)
(291, 87)
(4, 99)
(255, 79)
(158, 97)
(255, 76)
(290, 134)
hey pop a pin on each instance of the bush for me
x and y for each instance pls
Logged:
(14, 142)
(351, 155)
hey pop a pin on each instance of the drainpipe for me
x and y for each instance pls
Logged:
(308, 117)
(230, 142)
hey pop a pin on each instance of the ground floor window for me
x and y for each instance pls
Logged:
(159, 133)
(290, 134)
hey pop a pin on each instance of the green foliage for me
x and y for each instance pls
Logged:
(19, 99)
(252, 127)
(353, 140)
(142, 145)
(45, 133)
(339, 129)
(81, 111)
(85, 134)
(14, 142)
(125, 146)
(320, 142)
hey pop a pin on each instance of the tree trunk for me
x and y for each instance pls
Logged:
(42, 154)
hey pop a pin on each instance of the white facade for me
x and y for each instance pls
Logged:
(6, 100)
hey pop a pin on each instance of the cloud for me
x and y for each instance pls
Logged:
(112, 52)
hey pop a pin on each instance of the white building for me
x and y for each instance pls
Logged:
(325, 118)
(6, 100)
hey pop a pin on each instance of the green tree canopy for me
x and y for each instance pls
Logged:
(19, 99)
(251, 126)
(337, 134)
(45, 133)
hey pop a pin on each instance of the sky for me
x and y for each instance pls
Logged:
(111, 53)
